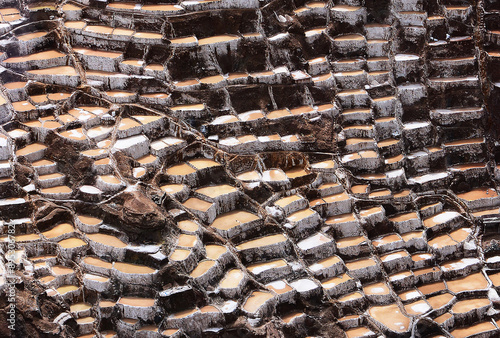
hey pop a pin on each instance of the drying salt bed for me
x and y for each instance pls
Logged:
(298, 189)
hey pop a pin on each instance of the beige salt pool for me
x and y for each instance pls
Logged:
(256, 300)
